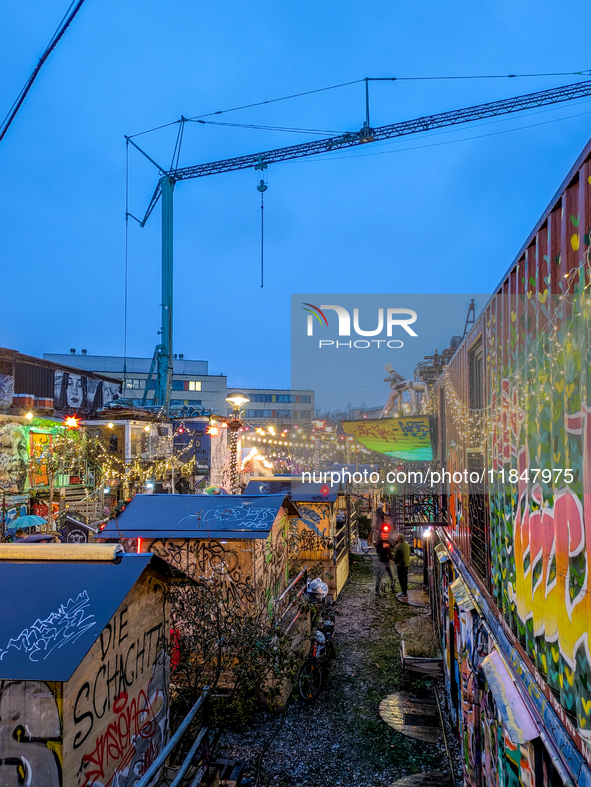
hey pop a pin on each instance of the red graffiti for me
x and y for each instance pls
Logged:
(135, 719)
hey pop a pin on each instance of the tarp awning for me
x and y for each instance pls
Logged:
(518, 721)
(462, 595)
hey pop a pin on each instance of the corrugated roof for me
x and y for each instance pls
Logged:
(57, 612)
(196, 516)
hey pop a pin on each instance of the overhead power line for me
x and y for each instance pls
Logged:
(67, 20)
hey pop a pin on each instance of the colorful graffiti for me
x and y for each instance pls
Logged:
(540, 439)
(517, 394)
(405, 438)
(30, 734)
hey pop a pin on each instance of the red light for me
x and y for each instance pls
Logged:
(385, 528)
(139, 545)
(71, 422)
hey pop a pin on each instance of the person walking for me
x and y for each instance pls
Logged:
(401, 558)
(384, 550)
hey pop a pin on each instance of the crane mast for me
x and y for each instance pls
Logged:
(163, 360)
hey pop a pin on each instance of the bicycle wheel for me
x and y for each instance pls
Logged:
(310, 681)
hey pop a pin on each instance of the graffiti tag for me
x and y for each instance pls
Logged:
(58, 629)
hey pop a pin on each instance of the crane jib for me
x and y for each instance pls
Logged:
(404, 128)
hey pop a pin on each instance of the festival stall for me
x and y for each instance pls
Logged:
(83, 670)
(318, 536)
(241, 539)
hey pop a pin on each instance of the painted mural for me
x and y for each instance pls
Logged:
(77, 392)
(6, 391)
(540, 501)
(14, 457)
(531, 432)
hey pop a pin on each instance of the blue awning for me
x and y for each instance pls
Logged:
(198, 516)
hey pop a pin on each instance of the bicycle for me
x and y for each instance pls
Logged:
(311, 675)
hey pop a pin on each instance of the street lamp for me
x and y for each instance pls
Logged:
(237, 399)
(319, 425)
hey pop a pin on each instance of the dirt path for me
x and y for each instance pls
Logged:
(341, 739)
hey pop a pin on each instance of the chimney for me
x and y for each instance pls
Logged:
(181, 357)
(84, 352)
(72, 351)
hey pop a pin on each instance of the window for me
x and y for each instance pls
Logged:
(178, 385)
(261, 398)
(306, 399)
(476, 375)
(283, 413)
(194, 385)
(478, 518)
(283, 398)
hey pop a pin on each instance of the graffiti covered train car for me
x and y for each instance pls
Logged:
(513, 407)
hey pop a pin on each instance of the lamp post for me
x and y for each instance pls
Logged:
(236, 399)
(319, 425)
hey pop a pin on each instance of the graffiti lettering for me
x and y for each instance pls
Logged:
(123, 662)
(135, 735)
(242, 514)
(66, 625)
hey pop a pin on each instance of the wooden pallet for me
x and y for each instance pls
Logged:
(230, 772)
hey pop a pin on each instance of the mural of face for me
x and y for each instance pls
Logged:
(75, 391)
(13, 457)
(111, 391)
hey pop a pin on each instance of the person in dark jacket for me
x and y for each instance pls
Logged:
(384, 551)
(401, 557)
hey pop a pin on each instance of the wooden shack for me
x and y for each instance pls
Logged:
(319, 533)
(84, 675)
(241, 539)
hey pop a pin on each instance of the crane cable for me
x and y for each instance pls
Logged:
(262, 187)
(584, 72)
(67, 20)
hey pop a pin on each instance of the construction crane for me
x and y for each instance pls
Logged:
(162, 360)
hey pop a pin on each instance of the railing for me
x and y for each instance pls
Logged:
(301, 577)
(353, 520)
(202, 740)
(341, 542)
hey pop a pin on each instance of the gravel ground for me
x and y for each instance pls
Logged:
(341, 739)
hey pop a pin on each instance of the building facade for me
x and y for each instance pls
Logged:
(278, 405)
(192, 385)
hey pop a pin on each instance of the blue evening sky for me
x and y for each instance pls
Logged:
(412, 216)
